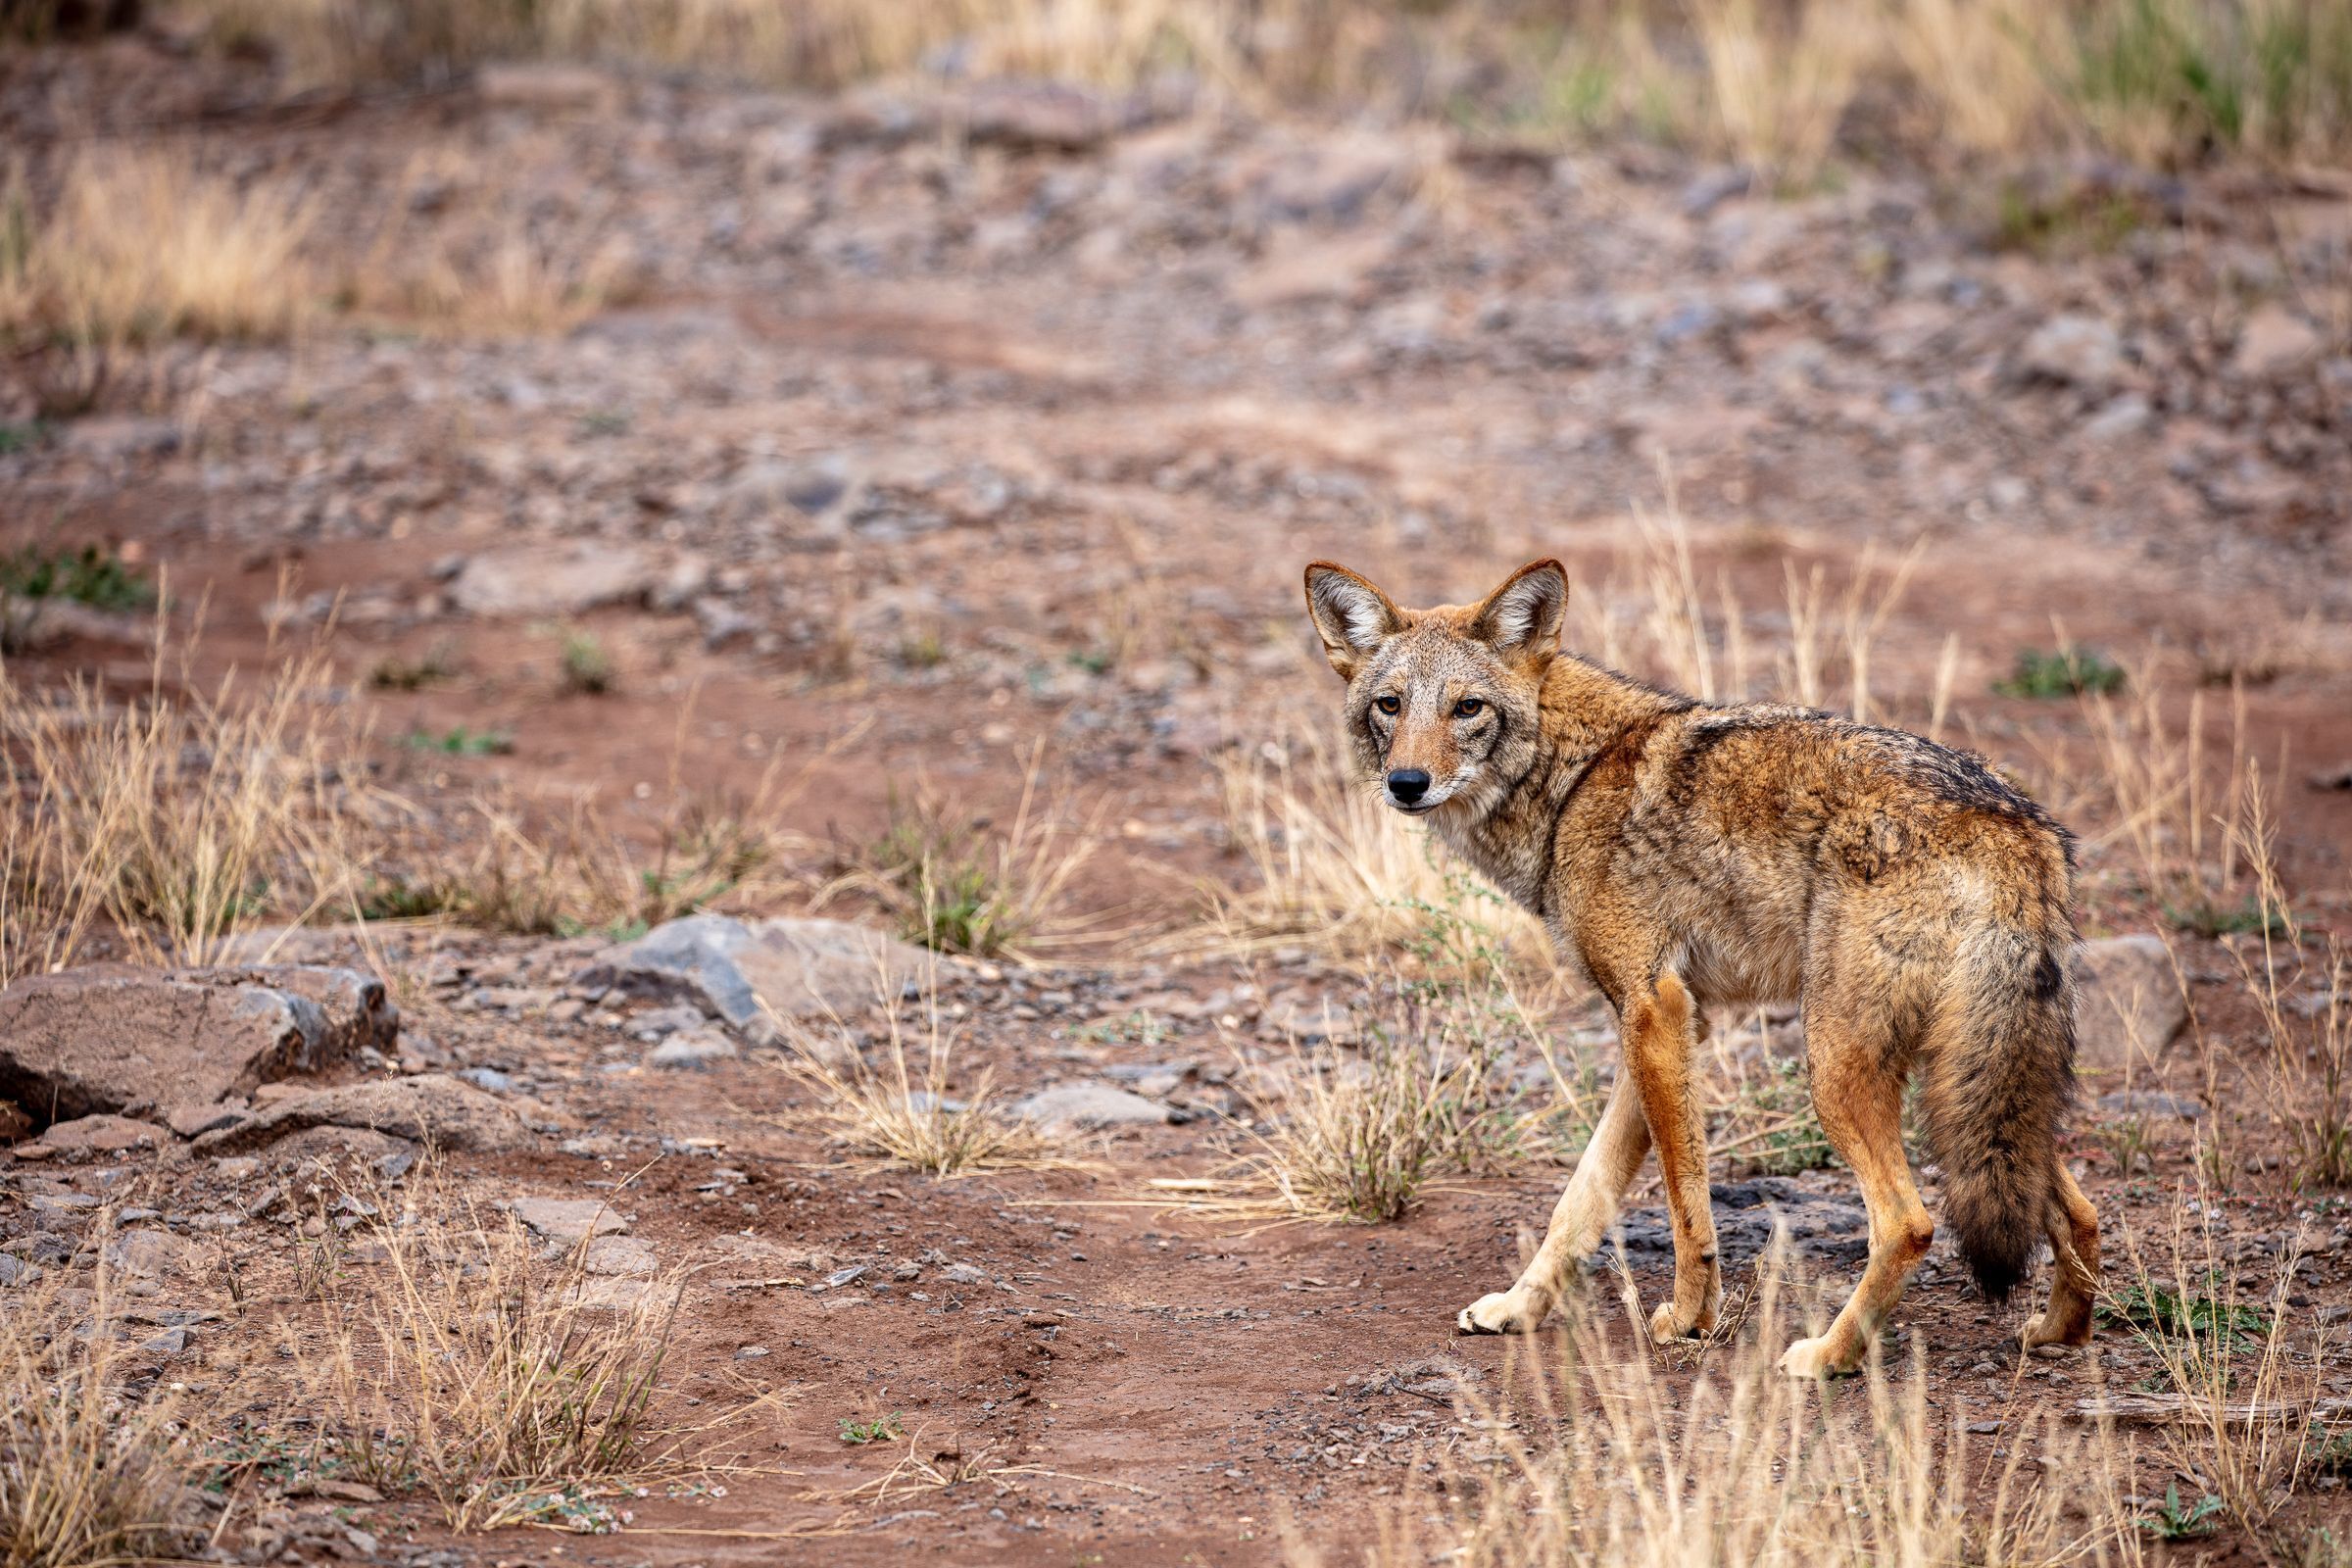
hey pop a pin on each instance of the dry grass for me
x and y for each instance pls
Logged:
(1781, 89)
(2244, 1372)
(916, 1117)
(1333, 870)
(87, 1475)
(136, 245)
(1358, 1135)
(506, 1387)
(168, 820)
(2161, 80)
(955, 883)
(1605, 1461)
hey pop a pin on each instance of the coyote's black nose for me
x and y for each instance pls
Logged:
(1408, 784)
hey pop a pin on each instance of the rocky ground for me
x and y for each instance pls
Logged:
(936, 428)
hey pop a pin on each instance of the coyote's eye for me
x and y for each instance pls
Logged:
(1469, 708)
(1387, 705)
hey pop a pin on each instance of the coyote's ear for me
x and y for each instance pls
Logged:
(1521, 620)
(1351, 616)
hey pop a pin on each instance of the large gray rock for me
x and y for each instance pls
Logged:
(83, 1041)
(1089, 1106)
(2129, 1004)
(552, 580)
(729, 968)
(430, 1108)
(354, 1004)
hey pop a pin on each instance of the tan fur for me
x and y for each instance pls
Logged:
(1687, 856)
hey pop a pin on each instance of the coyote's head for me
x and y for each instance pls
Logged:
(1441, 704)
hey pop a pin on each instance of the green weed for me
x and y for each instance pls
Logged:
(882, 1428)
(2067, 673)
(2172, 1520)
(462, 742)
(88, 576)
(2153, 1312)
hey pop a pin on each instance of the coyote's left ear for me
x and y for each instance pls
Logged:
(1521, 620)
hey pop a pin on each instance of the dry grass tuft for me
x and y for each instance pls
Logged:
(1606, 1461)
(506, 1387)
(140, 245)
(1358, 1136)
(1781, 88)
(168, 820)
(900, 1114)
(1333, 870)
(2243, 1379)
(953, 884)
(88, 1476)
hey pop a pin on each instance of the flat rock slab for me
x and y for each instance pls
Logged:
(87, 1042)
(2127, 1003)
(1089, 1106)
(431, 1108)
(1822, 1228)
(569, 1220)
(105, 1135)
(620, 1258)
(796, 967)
(561, 580)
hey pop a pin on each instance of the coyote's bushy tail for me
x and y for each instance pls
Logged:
(2000, 1078)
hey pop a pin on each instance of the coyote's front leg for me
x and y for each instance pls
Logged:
(1579, 1220)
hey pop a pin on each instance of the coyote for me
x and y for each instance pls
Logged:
(1686, 855)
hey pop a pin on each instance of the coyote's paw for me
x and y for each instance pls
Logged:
(1510, 1311)
(1666, 1324)
(1811, 1358)
(2050, 1328)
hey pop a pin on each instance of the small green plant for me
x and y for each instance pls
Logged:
(394, 673)
(1094, 661)
(462, 742)
(2129, 1142)
(2155, 1311)
(882, 1428)
(88, 576)
(2172, 1520)
(587, 666)
(21, 437)
(1772, 1129)
(600, 422)
(922, 650)
(2067, 673)
(395, 898)
(2208, 916)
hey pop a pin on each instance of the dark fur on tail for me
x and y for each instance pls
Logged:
(1999, 1082)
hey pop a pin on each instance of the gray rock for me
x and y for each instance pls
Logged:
(569, 1220)
(545, 580)
(2129, 1004)
(621, 1257)
(105, 1135)
(431, 1108)
(2075, 350)
(1083, 1106)
(1820, 1228)
(2275, 342)
(729, 968)
(663, 1022)
(692, 1048)
(359, 1014)
(89, 1041)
